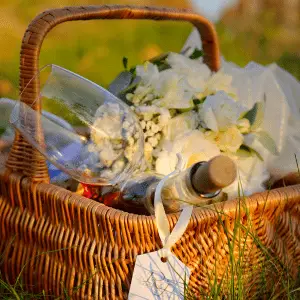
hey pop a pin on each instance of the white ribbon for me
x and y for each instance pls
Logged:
(168, 238)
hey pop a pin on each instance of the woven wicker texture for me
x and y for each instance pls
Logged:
(62, 242)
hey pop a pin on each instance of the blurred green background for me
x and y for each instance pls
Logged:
(95, 49)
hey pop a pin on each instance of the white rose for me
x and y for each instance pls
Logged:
(219, 82)
(149, 73)
(192, 146)
(187, 66)
(219, 111)
(181, 124)
(230, 140)
(195, 71)
(173, 91)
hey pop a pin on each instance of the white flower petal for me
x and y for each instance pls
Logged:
(166, 163)
(225, 109)
(181, 124)
(209, 118)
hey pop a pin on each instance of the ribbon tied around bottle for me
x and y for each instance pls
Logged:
(169, 239)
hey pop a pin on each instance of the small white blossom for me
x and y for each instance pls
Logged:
(230, 140)
(149, 97)
(129, 96)
(158, 136)
(244, 126)
(148, 125)
(148, 147)
(118, 166)
(130, 141)
(153, 141)
(155, 128)
(148, 73)
(150, 133)
(126, 125)
(148, 117)
(129, 153)
(143, 124)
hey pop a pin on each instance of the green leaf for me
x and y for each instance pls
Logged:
(125, 62)
(163, 67)
(130, 88)
(266, 140)
(157, 60)
(160, 62)
(133, 71)
(255, 115)
(248, 151)
(254, 152)
(259, 116)
(242, 153)
(196, 54)
(196, 101)
(183, 110)
(199, 101)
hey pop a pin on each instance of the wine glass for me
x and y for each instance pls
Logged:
(111, 148)
(7, 135)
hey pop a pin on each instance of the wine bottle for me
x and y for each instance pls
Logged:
(199, 185)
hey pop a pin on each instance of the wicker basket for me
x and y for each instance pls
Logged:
(62, 242)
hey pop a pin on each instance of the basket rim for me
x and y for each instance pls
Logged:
(273, 197)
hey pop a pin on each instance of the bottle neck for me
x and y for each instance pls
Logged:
(178, 191)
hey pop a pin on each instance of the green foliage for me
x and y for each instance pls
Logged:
(267, 141)
(196, 54)
(125, 63)
(255, 115)
(246, 151)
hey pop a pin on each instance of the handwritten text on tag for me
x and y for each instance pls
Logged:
(154, 279)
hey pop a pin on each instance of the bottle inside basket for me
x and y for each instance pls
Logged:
(199, 185)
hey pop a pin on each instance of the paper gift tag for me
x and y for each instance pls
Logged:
(154, 279)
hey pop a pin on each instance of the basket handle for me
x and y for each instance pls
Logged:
(23, 158)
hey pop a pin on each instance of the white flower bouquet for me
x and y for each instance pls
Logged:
(185, 108)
